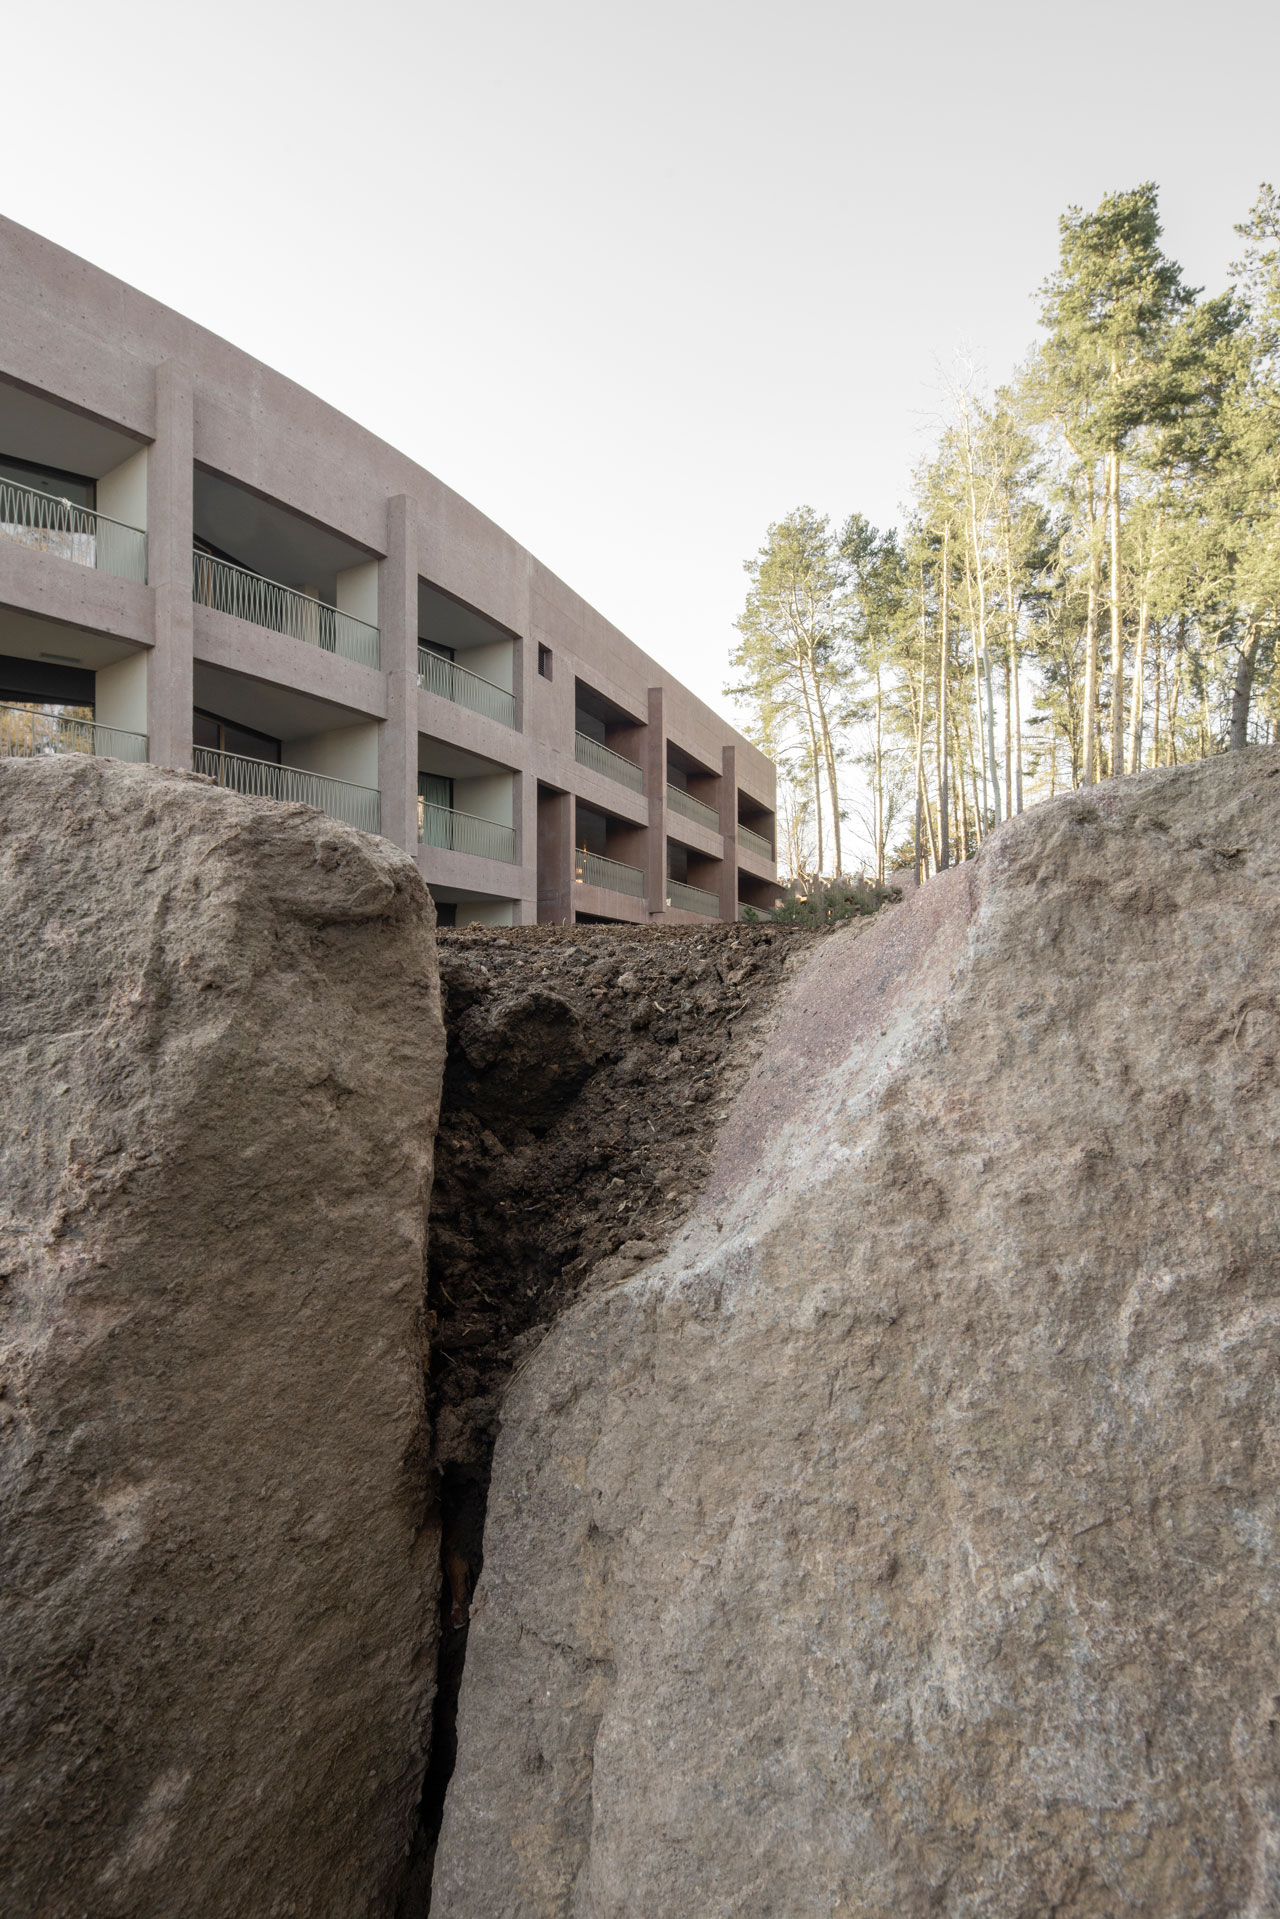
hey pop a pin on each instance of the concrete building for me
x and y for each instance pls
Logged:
(218, 571)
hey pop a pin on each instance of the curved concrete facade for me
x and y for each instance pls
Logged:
(353, 632)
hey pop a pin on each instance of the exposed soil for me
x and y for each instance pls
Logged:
(589, 1068)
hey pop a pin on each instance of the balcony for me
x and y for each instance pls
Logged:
(754, 843)
(25, 735)
(76, 533)
(456, 832)
(465, 688)
(692, 899)
(248, 596)
(593, 869)
(690, 809)
(603, 759)
(265, 780)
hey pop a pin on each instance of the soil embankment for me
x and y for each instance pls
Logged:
(589, 1071)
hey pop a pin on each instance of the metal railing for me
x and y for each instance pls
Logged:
(465, 688)
(593, 869)
(692, 899)
(690, 809)
(465, 833)
(603, 759)
(754, 842)
(264, 780)
(233, 589)
(25, 735)
(70, 532)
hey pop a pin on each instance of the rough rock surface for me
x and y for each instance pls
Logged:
(589, 1069)
(220, 1059)
(903, 1541)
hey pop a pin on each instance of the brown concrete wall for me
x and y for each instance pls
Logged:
(75, 335)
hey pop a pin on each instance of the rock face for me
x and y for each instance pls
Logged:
(903, 1541)
(221, 1063)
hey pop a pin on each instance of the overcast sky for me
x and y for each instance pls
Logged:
(634, 279)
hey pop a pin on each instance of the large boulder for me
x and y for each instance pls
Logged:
(904, 1541)
(220, 1059)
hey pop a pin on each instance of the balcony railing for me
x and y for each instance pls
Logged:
(603, 759)
(34, 736)
(233, 589)
(262, 779)
(71, 532)
(692, 899)
(465, 688)
(593, 869)
(755, 842)
(465, 833)
(690, 809)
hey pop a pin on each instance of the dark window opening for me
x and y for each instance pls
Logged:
(677, 863)
(592, 829)
(434, 646)
(41, 682)
(224, 736)
(217, 553)
(446, 912)
(76, 488)
(544, 661)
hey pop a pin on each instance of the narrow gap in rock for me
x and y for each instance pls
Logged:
(588, 1072)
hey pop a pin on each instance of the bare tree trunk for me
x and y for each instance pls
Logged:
(977, 680)
(1013, 779)
(1175, 689)
(813, 755)
(1140, 662)
(829, 761)
(879, 767)
(978, 826)
(1155, 716)
(944, 661)
(1117, 628)
(917, 714)
(980, 575)
(1242, 691)
(960, 825)
(1089, 771)
(1138, 695)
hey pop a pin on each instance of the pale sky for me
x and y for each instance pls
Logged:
(635, 280)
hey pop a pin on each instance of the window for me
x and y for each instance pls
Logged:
(76, 488)
(544, 661)
(223, 736)
(435, 790)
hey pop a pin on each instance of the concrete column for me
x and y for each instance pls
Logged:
(729, 828)
(169, 531)
(398, 625)
(655, 786)
(526, 817)
(555, 850)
